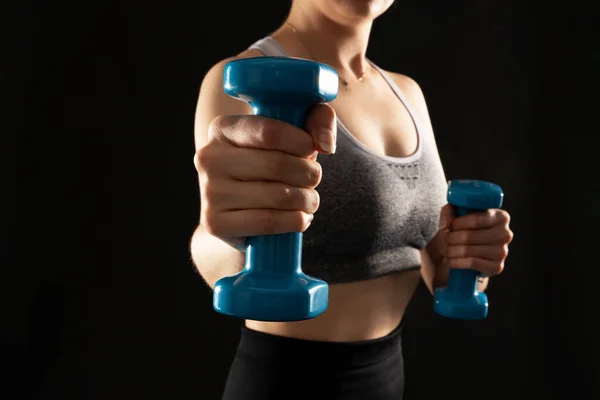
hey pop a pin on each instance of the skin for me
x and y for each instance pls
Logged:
(276, 167)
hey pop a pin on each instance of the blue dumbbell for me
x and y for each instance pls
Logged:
(460, 299)
(272, 286)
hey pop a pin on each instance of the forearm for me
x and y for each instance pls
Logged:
(214, 258)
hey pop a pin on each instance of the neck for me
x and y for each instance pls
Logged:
(341, 46)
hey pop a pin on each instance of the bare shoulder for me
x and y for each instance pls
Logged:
(414, 95)
(212, 99)
(410, 88)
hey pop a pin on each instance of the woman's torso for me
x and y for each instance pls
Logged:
(386, 164)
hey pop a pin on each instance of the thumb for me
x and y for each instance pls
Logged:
(321, 124)
(446, 216)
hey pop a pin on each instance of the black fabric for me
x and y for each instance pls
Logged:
(268, 367)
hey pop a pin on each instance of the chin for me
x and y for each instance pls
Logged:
(356, 10)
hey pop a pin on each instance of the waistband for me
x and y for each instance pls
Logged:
(278, 349)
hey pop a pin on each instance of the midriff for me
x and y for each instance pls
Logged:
(357, 311)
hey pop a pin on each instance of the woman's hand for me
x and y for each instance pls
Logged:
(477, 241)
(258, 175)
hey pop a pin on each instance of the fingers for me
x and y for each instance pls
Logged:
(484, 250)
(484, 266)
(256, 132)
(321, 124)
(261, 165)
(235, 195)
(497, 235)
(252, 131)
(480, 220)
(253, 222)
(477, 241)
(258, 175)
(488, 252)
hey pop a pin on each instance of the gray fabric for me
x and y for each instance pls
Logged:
(376, 212)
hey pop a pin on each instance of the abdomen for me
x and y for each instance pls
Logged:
(357, 311)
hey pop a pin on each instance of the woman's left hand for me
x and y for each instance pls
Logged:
(478, 240)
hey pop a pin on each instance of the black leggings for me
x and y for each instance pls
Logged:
(268, 367)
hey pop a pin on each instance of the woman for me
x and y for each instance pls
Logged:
(381, 226)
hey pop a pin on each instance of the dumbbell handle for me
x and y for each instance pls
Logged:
(463, 282)
(269, 253)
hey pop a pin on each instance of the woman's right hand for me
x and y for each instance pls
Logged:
(258, 175)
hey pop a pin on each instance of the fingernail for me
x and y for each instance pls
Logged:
(326, 140)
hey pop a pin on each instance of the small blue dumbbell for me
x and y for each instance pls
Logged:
(272, 286)
(460, 299)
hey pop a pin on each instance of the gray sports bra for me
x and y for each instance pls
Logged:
(376, 212)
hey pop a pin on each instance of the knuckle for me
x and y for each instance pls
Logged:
(504, 251)
(314, 173)
(498, 268)
(268, 132)
(308, 200)
(210, 221)
(504, 216)
(314, 202)
(202, 158)
(216, 125)
(508, 236)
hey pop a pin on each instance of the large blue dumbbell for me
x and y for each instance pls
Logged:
(460, 299)
(272, 286)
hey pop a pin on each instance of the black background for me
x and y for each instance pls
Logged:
(99, 298)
